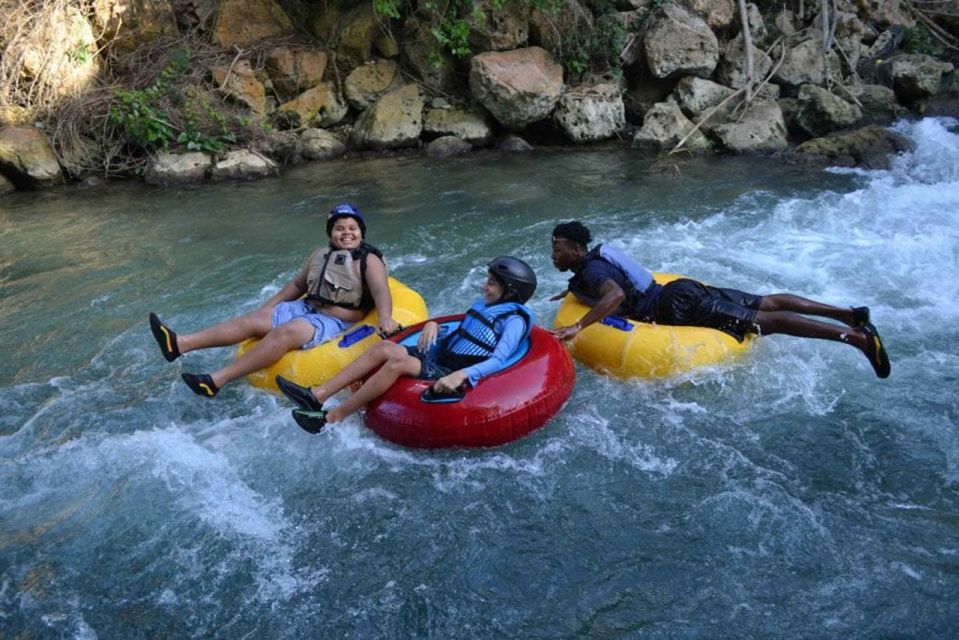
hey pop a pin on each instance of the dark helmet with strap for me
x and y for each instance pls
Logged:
(345, 210)
(517, 276)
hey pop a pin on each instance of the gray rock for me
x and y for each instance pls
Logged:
(696, 95)
(320, 144)
(590, 113)
(732, 67)
(879, 104)
(177, 168)
(915, 75)
(761, 129)
(870, 147)
(513, 142)
(517, 87)
(393, 122)
(819, 112)
(27, 159)
(243, 164)
(447, 146)
(496, 26)
(471, 124)
(664, 126)
(803, 64)
(436, 68)
(6, 186)
(368, 83)
(679, 43)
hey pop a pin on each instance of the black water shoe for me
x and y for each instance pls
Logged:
(860, 316)
(876, 353)
(299, 395)
(165, 337)
(310, 421)
(201, 384)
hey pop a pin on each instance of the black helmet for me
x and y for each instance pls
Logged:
(345, 210)
(517, 276)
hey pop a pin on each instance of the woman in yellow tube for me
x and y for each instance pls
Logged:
(336, 287)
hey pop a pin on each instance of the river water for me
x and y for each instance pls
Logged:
(789, 494)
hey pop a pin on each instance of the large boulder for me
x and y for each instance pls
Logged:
(320, 144)
(819, 112)
(27, 159)
(517, 87)
(243, 164)
(177, 168)
(803, 64)
(590, 113)
(495, 25)
(915, 76)
(368, 83)
(870, 147)
(294, 70)
(679, 43)
(395, 121)
(241, 84)
(321, 106)
(760, 129)
(471, 124)
(242, 22)
(663, 128)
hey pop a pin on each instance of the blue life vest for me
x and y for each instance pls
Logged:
(638, 275)
(475, 339)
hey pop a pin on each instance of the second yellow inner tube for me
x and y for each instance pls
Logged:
(646, 350)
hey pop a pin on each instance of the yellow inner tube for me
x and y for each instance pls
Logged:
(648, 350)
(319, 364)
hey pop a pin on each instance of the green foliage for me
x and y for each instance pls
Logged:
(597, 49)
(145, 117)
(80, 53)
(387, 8)
(138, 112)
(454, 35)
(919, 39)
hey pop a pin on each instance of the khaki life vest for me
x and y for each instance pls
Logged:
(332, 278)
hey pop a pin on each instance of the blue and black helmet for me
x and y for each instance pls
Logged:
(345, 210)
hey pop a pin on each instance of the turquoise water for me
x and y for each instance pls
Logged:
(790, 494)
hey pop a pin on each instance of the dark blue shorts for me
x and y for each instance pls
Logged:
(431, 369)
(689, 303)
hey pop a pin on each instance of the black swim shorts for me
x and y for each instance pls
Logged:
(690, 303)
(431, 369)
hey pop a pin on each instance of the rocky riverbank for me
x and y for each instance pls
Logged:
(225, 89)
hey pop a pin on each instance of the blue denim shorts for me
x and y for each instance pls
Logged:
(324, 326)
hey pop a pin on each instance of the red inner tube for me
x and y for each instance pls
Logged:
(502, 407)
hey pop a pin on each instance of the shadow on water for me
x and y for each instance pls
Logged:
(789, 494)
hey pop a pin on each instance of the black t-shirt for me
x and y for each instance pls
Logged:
(586, 283)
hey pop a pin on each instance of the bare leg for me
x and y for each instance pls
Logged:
(255, 324)
(376, 386)
(796, 304)
(793, 324)
(359, 369)
(271, 348)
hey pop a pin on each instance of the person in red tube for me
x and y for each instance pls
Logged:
(611, 282)
(492, 329)
(337, 286)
